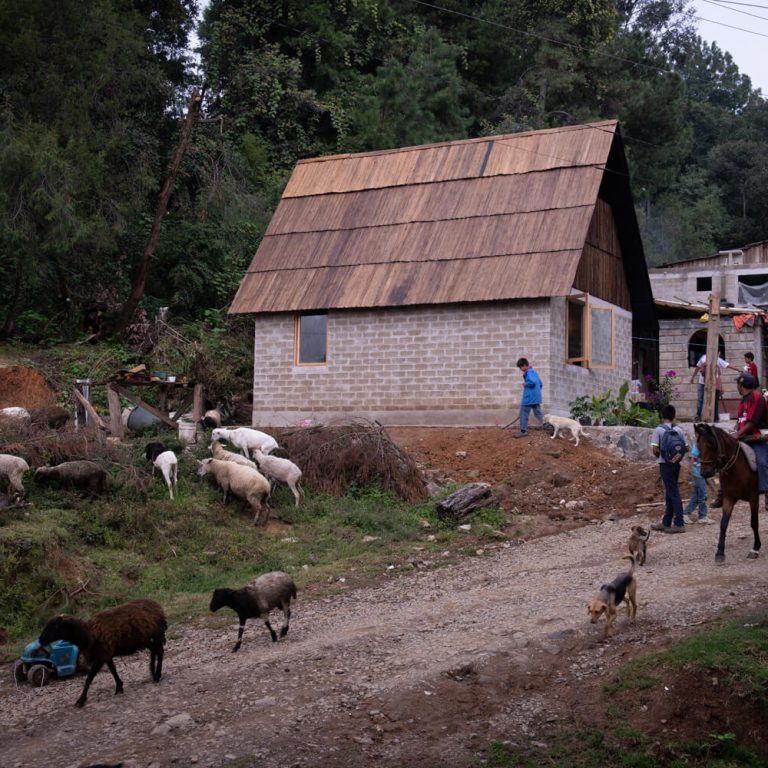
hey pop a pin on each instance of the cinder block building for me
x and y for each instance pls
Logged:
(403, 285)
(682, 290)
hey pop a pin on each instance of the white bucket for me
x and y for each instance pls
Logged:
(187, 431)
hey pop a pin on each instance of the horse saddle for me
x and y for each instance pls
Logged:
(749, 452)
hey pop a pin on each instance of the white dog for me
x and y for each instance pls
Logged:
(563, 422)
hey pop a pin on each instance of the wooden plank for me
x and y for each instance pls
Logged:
(182, 407)
(115, 420)
(136, 400)
(91, 410)
(197, 403)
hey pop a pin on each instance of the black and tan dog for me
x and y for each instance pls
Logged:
(638, 543)
(610, 596)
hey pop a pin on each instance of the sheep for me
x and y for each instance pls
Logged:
(245, 483)
(280, 469)
(119, 631)
(220, 453)
(211, 419)
(14, 418)
(256, 600)
(86, 475)
(246, 439)
(12, 469)
(52, 416)
(166, 462)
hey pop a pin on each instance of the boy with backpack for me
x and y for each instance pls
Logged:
(669, 446)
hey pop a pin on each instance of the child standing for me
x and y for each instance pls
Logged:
(699, 495)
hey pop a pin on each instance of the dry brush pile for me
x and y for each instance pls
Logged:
(337, 457)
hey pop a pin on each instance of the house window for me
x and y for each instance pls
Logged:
(703, 283)
(312, 339)
(590, 333)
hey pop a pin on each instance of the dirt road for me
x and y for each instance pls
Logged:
(423, 670)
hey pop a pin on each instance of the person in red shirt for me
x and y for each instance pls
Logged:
(752, 408)
(750, 367)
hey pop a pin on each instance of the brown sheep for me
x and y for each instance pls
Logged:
(119, 631)
(85, 475)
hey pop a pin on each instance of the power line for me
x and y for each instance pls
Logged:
(733, 2)
(730, 26)
(735, 10)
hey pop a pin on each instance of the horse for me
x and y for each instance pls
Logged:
(721, 452)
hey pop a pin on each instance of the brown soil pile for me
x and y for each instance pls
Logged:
(24, 387)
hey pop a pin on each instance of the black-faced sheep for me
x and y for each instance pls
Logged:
(53, 416)
(166, 462)
(246, 439)
(211, 419)
(84, 475)
(119, 631)
(12, 469)
(280, 469)
(256, 600)
(245, 483)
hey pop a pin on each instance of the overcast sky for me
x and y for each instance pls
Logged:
(748, 43)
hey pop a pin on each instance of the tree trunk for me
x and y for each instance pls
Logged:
(140, 280)
(465, 502)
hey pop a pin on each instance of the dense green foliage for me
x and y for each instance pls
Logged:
(94, 93)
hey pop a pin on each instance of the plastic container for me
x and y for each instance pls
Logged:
(139, 420)
(187, 431)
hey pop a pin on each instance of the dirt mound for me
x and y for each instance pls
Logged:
(552, 485)
(24, 387)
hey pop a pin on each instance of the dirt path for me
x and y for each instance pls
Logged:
(424, 670)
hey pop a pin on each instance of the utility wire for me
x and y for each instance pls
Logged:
(726, 3)
(730, 26)
(735, 10)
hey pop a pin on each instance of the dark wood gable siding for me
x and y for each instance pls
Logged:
(601, 268)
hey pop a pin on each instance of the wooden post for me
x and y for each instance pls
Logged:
(197, 403)
(115, 417)
(713, 352)
(91, 410)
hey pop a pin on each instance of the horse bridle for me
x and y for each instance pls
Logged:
(720, 454)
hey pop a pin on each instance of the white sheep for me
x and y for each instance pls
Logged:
(245, 483)
(246, 439)
(166, 462)
(12, 468)
(14, 418)
(280, 469)
(222, 454)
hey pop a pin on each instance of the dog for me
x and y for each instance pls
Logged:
(638, 543)
(610, 596)
(563, 422)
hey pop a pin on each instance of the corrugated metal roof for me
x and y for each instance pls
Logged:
(500, 217)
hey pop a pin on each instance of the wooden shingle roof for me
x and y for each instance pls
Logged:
(501, 217)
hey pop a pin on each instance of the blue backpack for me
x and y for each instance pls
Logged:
(673, 447)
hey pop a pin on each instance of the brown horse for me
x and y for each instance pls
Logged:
(721, 452)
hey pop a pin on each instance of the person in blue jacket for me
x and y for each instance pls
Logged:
(531, 397)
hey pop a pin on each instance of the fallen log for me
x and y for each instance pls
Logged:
(465, 502)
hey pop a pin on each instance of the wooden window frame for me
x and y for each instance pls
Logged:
(297, 341)
(587, 308)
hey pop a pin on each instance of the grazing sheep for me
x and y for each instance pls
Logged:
(119, 631)
(256, 600)
(85, 475)
(280, 469)
(211, 419)
(14, 418)
(222, 454)
(246, 439)
(166, 462)
(245, 483)
(52, 416)
(12, 469)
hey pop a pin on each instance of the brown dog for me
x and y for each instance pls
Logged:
(610, 596)
(638, 543)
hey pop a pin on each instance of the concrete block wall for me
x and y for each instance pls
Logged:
(570, 381)
(437, 365)
(674, 336)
